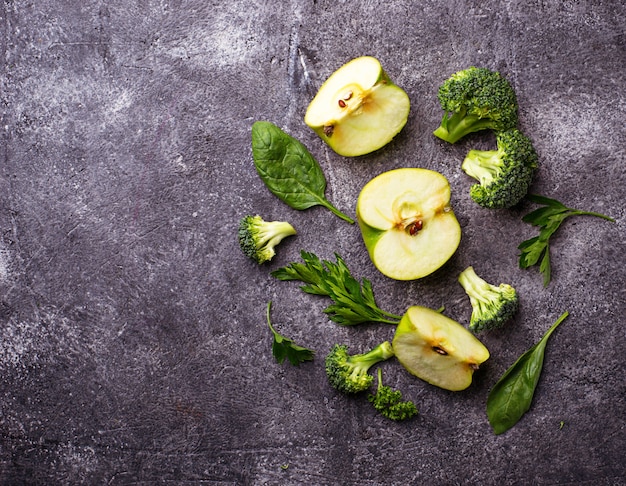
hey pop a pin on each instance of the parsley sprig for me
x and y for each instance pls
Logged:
(548, 218)
(283, 347)
(353, 301)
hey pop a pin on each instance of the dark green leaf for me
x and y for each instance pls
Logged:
(288, 169)
(548, 218)
(353, 301)
(541, 216)
(544, 267)
(283, 347)
(512, 395)
(545, 201)
(531, 252)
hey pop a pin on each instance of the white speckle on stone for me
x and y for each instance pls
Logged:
(18, 342)
(81, 460)
(224, 41)
(28, 344)
(4, 265)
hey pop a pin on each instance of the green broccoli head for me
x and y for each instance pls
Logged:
(475, 99)
(491, 306)
(258, 238)
(388, 402)
(505, 174)
(349, 373)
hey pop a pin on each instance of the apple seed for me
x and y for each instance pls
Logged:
(328, 130)
(414, 227)
(439, 350)
(342, 104)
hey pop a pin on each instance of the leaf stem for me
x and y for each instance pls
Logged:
(336, 212)
(556, 324)
(267, 312)
(387, 321)
(389, 314)
(577, 212)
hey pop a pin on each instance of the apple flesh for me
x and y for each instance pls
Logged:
(407, 223)
(437, 349)
(358, 109)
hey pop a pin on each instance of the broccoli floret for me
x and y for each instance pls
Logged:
(258, 238)
(475, 99)
(491, 306)
(389, 402)
(349, 373)
(505, 174)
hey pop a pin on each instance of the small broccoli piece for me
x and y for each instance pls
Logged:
(475, 99)
(491, 306)
(389, 402)
(349, 373)
(258, 238)
(505, 174)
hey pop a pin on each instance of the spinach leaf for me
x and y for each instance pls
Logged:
(288, 169)
(512, 395)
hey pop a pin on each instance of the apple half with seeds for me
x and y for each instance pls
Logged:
(407, 223)
(437, 349)
(358, 109)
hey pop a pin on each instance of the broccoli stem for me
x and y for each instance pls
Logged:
(456, 126)
(475, 286)
(363, 362)
(382, 352)
(273, 232)
(483, 165)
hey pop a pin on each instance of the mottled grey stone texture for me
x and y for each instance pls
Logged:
(134, 348)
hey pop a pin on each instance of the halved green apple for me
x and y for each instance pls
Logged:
(358, 109)
(407, 223)
(437, 349)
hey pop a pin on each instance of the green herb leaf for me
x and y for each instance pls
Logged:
(512, 395)
(354, 302)
(548, 218)
(283, 347)
(288, 169)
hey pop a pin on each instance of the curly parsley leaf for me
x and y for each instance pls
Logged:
(283, 347)
(548, 218)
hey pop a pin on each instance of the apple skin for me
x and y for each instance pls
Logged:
(355, 112)
(437, 349)
(394, 250)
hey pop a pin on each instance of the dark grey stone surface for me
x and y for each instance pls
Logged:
(134, 347)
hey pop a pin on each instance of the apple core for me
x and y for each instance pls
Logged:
(407, 223)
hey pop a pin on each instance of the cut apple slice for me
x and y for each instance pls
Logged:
(358, 109)
(407, 223)
(437, 349)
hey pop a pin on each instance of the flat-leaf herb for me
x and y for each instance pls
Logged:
(511, 397)
(548, 218)
(288, 169)
(283, 347)
(353, 302)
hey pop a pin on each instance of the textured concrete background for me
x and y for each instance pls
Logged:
(134, 346)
